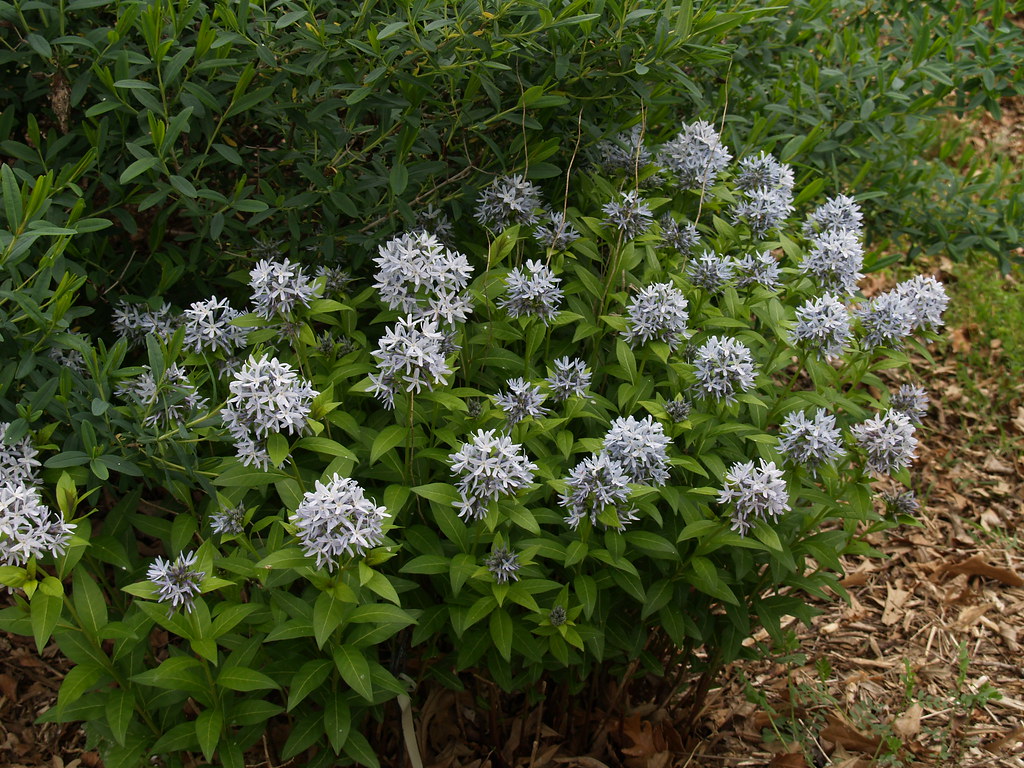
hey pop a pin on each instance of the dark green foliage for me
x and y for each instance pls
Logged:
(203, 126)
(865, 92)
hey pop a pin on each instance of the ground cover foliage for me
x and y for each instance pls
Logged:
(367, 429)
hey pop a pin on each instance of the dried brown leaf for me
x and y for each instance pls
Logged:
(841, 732)
(976, 566)
(908, 725)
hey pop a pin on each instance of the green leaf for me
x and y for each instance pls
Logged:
(244, 679)
(354, 670)
(388, 438)
(658, 596)
(706, 578)
(180, 673)
(45, 611)
(277, 448)
(77, 681)
(359, 749)
(586, 591)
(310, 676)
(119, 708)
(89, 603)
(337, 721)
(328, 611)
(399, 179)
(442, 493)
(240, 476)
(209, 725)
(652, 544)
(138, 168)
(501, 632)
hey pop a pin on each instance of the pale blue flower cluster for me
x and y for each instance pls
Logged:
(18, 462)
(684, 237)
(520, 401)
(596, 484)
(824, 326)
(811, 442)
(695, 157)
(508, 200)
(532, 291)
(489, 466)
(208, 326)
(888, 440)
(640, 447)
(835, 214)
(926, 299)
(626, 152)
(266, 396)
(178, 582)
(911, 401)
(657, 312)
(419, 275)
(134, 322)
(679, 409)
(336, 519)
(767, 199)
(228, 521)
(556, 232)
(571, 378)
(758, 269)
(630, 214)
(503, 564)
(724, 365)
(755, 493)
(835, 260)
(410, 355)
(279, 286)
(28, 528)
(166, 402)
(886, 319)
(711, 271)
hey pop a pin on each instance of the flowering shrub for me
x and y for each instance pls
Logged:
(551, 447)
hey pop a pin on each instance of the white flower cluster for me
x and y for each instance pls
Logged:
(208, 326)
(489, 466)
(412, 351)
(336, 518)
(278, 286)
(266, 396)
(419, 275)
(758, 269)
(657, 312)
(695, 156)
(508, 200)
(533, 291)
(503, 564)
(28, 528)
(166, 402)
(177, 582)
(723, 366)
(755, 492)
(911, 401)
(630, 214)
(888, 440)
